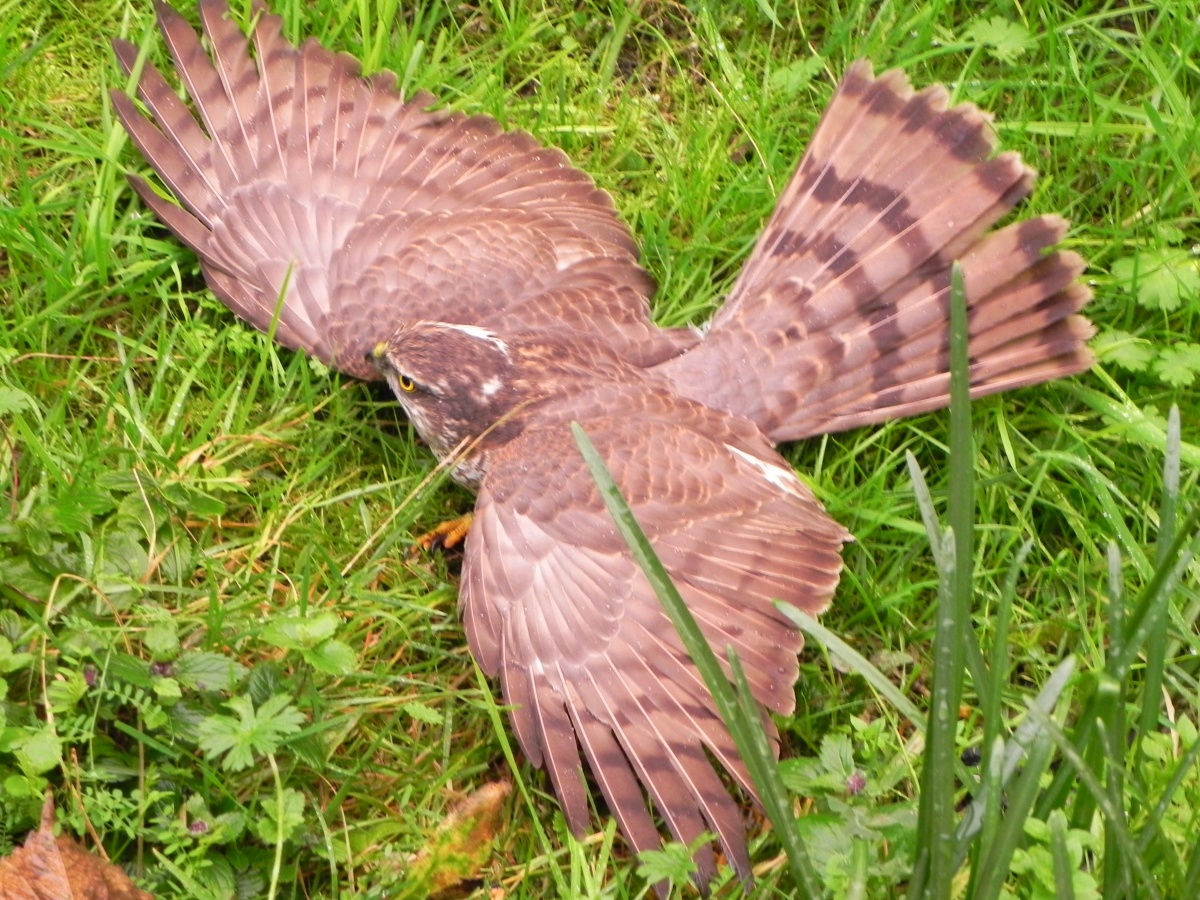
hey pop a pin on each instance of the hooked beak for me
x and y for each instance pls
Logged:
(376, 354)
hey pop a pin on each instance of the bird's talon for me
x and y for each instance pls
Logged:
(446, 535)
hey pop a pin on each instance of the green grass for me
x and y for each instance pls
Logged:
(177, 492)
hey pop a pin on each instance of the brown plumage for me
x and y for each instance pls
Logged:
(839, 318)
(494, 287)
(304, 178)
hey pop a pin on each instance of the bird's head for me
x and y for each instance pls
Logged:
(466, 387)
(457, 383)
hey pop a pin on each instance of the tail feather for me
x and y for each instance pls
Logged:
(841, 316)
(909, 327)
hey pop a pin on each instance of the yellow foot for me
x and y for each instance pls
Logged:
(447, 535)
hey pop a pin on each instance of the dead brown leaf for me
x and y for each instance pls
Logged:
(50, 868)
(462, 844)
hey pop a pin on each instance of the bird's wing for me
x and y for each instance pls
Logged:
(327, 204)
(555, 605)
(843, 305)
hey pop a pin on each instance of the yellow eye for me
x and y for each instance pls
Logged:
(406, 384)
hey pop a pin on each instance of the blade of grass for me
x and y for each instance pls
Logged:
(1156, 638)
(493, 711)
(987, 810)
(1112, 713)
(936, 808)
(993, 871)
(1152, 603)
(933, 862)
(1191, 883)
(1117, 878)
(1113, 820)
(961, 506)
(1064, 886)
(993, 721)
(741, 717)
(988, 877)
(764, 772)
(998, 766)
(1153, 828)
(1014, 749)
(1156, 596)
(855, 661)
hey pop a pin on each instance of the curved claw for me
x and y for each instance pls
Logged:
(446, 535)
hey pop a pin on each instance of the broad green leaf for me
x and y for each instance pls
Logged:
(188, 499)
(9, 661)
(121, 563)
(167, 691)
(127, 667)
(283, 814)
(209, 671)
(795, 75)
(162, 640)
(331, 657)
(248, 731)
(38, 753)
(1003, 38)
(837, 756)
(423, 713)
(673, 864)
(67, 689)
(1161, 278)
(1177, 365)
(300, 632)
(1128, 352)
(13, 400)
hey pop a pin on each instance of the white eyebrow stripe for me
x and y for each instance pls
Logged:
(480, 333)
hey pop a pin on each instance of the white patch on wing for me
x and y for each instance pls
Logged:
(480, 333)
(491, 386)
(567, 255)
(782, 478)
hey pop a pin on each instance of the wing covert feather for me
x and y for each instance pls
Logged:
(554, 604)
(297, 175)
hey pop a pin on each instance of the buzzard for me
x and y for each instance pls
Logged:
(495, 289)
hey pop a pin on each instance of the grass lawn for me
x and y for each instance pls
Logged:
(222, 651)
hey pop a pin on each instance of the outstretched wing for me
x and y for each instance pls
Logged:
(844, 303)
(312, 190)
(555, 605)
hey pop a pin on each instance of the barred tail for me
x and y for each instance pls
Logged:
(841, 315)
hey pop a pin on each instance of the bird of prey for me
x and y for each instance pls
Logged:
(494, 287)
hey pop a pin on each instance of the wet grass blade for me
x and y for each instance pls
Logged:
(934, 857)
(855, 662)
